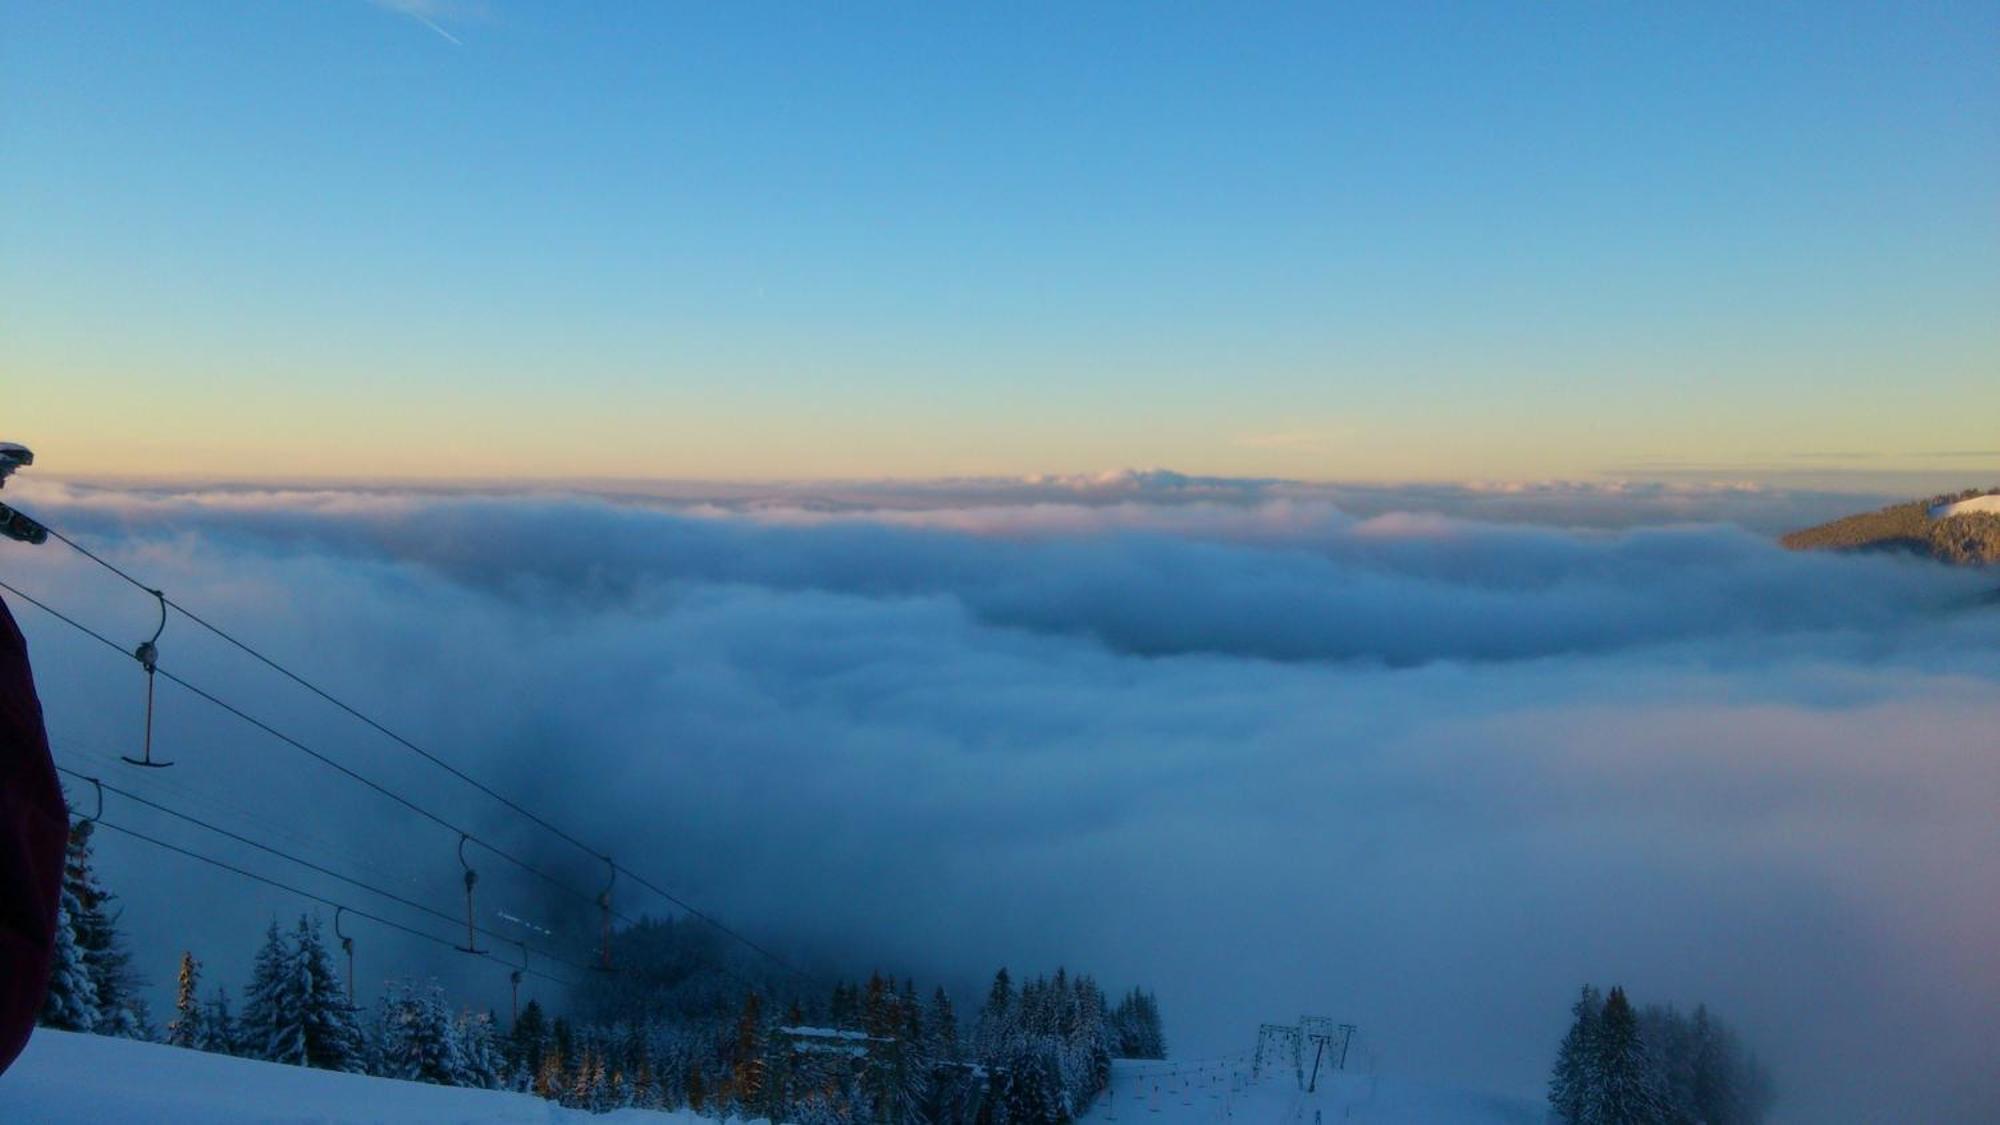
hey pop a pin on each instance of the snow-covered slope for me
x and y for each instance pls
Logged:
(63, 1077)
(1988, 505)
(1224, 1092)
(89, 1078)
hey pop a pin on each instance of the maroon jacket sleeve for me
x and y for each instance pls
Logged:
(34, 827)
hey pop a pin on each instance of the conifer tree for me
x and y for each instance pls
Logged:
(590, 1083)
(1692, 1071)
(941, 1028)
(270, 977)
(528, 1040)
(71, 1002)
(697, 1090)
(746, 1085)
(911, 1061)
(1725, 1084)
(296, 1011)
(1624, 1089)
(1670, 1051)
(1576, 1059)
(995, 1017)
(217, 1032)
(549, 1076)
(479, 1046)
(418, 1039)
(121, 1011)
(1136, 1027)
(184, 1030)
(646, 1085)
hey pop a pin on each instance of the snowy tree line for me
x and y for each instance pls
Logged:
(870, 1053)
(92, 986)
(679, 1027)
(1136, 1029)
(1621, 1066)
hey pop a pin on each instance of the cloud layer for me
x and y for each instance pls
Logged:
(1268, 749)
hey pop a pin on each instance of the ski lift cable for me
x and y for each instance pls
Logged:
(303, 842)
(693, 911)
(321, 899)
(456, 772)
(218, 806)
(282, 854)
(323, 759)
(329, 697)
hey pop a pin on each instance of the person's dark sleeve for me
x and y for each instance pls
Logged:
(34, 828)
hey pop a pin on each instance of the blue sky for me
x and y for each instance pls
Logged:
(1395, 241)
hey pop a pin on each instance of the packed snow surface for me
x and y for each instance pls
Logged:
(65, 1077)
(1978, 504)
(1226, 1091)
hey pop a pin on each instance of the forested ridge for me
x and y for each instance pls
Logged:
(1970, 538)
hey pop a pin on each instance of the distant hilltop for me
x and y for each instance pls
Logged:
(1962, 529)
(1984, 504)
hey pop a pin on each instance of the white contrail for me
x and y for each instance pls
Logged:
(420, 11)
(432, 24)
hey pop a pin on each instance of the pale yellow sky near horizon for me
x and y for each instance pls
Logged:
(151, 432)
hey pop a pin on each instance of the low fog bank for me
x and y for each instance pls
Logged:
(1423, 768)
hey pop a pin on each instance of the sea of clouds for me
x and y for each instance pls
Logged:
(1422, 758)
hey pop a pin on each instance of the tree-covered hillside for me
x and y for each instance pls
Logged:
(1967, 539)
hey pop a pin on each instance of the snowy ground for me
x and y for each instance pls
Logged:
(1224, 1092)
(1989, 505)
(63, 1077)
(89, 1078)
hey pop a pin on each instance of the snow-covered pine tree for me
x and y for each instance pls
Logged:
(996, 1018)
(296, 1011)
(1136, 1029)
(71, 1002)
(1034, 1088)
(417, 1037)
(184, 1030)
(332, 1033)
(559, 1062)
(588, 1085)
(217, 1032)
(549, 1076)
(1576, 1059)
(941, 1028)
(746, 1076)
(1623, 1089)
(879, 1076)
(483, 1062)
(1156, 1030)
(1726, 1085)
(526, 1043)
(914, 1065)
(266, 1000)
(1090, 1039)
(646, 1093)
(841, 1010)
(639, 1077)
(121, 1010)
(1669, 1038)
(697, 1089)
